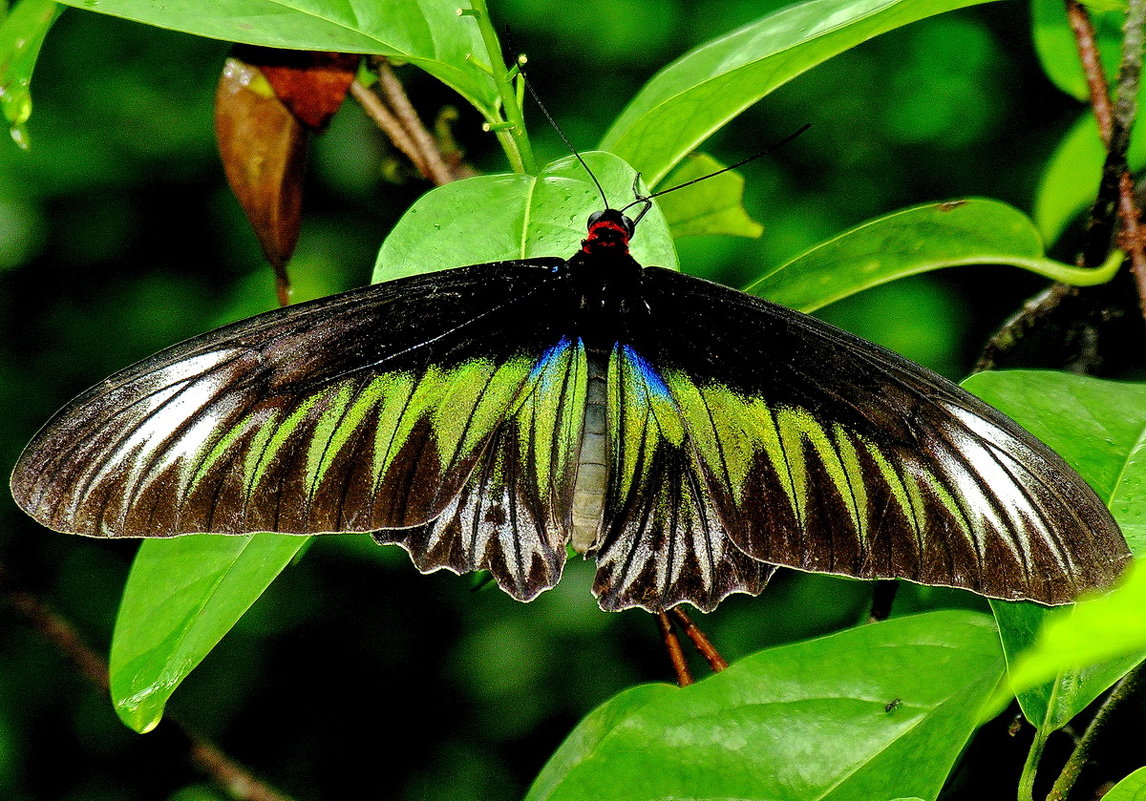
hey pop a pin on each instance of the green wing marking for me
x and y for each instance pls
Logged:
(663, 541)
(447, 410)
(512, 516)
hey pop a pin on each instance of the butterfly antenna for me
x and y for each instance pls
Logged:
(647, 199)
(520, 64)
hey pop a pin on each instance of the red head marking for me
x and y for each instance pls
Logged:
(609, 232)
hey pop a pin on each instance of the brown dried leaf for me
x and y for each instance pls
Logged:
(312, 84)
(263, 148)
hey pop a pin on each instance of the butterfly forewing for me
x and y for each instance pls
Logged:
(823, 452)
(363, 411)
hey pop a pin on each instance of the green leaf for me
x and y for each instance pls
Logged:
(712, 206)
(916, 240)
(1111, 629)
(1099, 428)
(22, 33)
(427, 33)
(498, 217)
(1132, 788)
(814, 721)
(181, 597)
(684, 103)
(1070, 181)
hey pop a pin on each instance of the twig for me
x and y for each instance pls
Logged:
(1114, 123)
(234, 778)
(1115, 198)
(388, 122)
(56, 630)
(395, 94)
(1125, 111)
(700, 640)
(676, 655)
(1081, 755)
(237, 780)
(1083, 30)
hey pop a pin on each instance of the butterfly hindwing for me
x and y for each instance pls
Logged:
(361, 411)
(823, 452)
(663, 541)
(512, 516)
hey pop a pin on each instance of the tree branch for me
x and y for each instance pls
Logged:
(1116, 191)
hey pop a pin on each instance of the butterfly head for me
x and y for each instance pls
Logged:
(609, 232)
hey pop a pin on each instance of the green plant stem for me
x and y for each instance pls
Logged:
(514, 139)
(1081, 755)
(1031, 767)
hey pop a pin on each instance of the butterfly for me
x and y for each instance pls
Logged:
(689, 437)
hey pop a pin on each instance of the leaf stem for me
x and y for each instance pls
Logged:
(1031, 767)
(514, 138)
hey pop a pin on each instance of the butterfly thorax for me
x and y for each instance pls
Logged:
(608, 277)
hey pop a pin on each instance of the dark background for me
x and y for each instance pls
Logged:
(118, 236)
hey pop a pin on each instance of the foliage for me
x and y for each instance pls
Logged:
(836, 717)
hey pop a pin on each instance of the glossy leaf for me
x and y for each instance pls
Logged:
(498, 217)
(748, 732)
(1099, 428)
(181, 597)
(22, 33)
(684, 103)
(712, 206)
(1132, 788)
(1111, 629)
(427, 33)
(1070, 181)
(915, 240)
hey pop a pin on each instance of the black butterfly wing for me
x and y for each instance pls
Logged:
(663, 541)
(811, 448)
(367, 410)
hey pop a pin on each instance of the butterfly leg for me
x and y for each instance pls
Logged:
(676, 654)
(700, 640)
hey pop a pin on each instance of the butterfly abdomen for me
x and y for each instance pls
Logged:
(592, 460)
